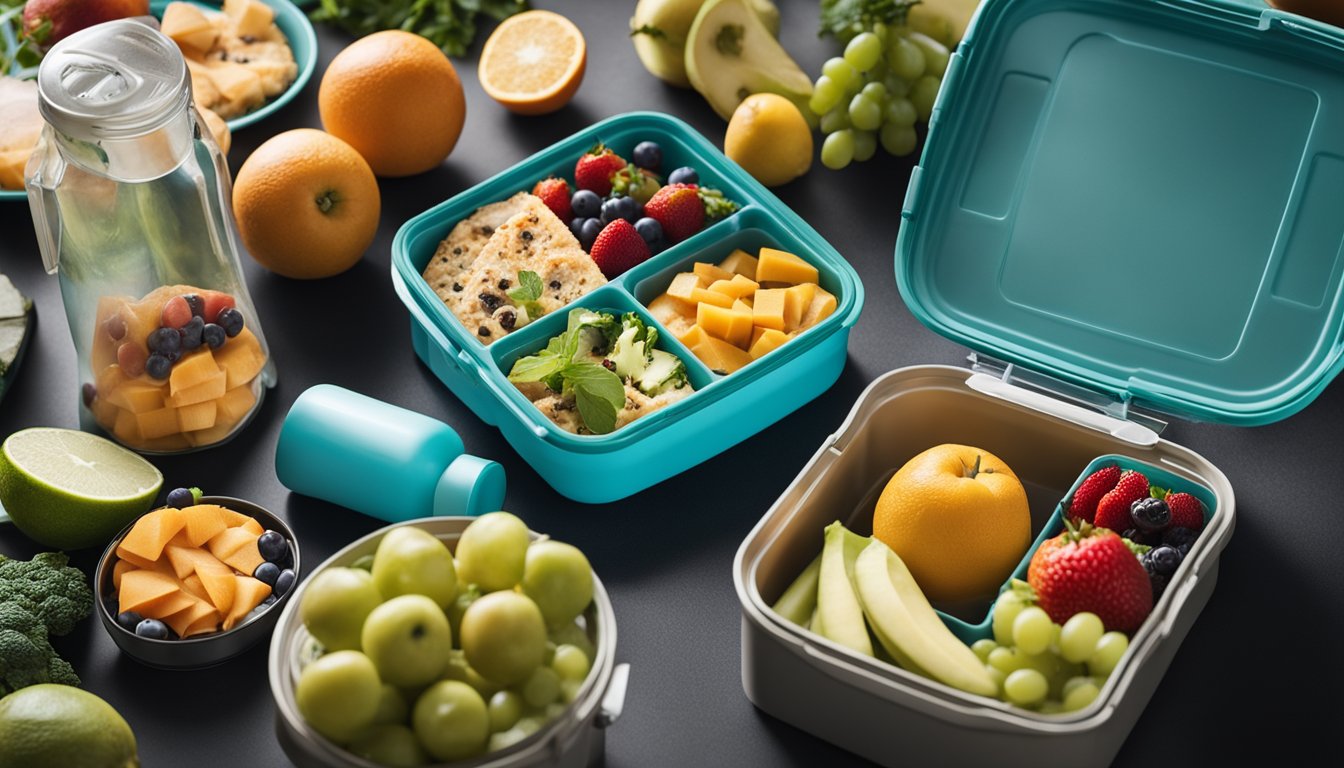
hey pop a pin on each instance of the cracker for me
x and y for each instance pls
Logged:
(451, 262)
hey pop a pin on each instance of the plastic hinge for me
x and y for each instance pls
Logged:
(1218, 10)
(1314, 34)
(613, 701)
(911, 193)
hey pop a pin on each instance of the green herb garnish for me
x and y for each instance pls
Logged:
(449, 24)
(846, 18)
(598, 392)
(528, 292)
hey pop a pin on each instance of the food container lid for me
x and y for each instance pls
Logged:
(1141, 197)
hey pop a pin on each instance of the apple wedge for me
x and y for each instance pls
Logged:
(838, 610)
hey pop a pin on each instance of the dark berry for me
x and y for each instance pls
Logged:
(684, 175)
(611, 210)
(231, 320)
(165, 341)
(181, 498)
(158, 366)
(191, 333)
(627, 208)
(586, 204)
(576, 225)
(1147, 563)
(176, 313)
(283, 583)
(213, 336)
(1150, 514)
(647, 155)
(267, 573)
(649, 229)
(1184, 549)
(197, 304)
(1159, 582)
(88, 392)
(588, 234)
(1140, 537)
(129, 620)
(1177, 537)
(272, 546)
(152, 629)
(1165, 559)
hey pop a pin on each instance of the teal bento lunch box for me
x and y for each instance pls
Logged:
(722, 411)
(1127, 210)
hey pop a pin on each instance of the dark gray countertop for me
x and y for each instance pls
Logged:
(1253, 673)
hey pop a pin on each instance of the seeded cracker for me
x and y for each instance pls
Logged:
(451, 263)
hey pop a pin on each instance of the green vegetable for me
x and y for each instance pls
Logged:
(23, 55)
(716, 205)
(598, 392)
(449, 24)
(526, 294)
(38, 597)
(846, 18)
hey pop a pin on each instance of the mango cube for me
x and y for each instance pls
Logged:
(682, 285)
(733, 327)
(720, 356)
(137, 396)
(768, 341)
(779, 266)
(822, 306)
(739, 262)
(241, 358)
(709, 273)
(737, 287)
(187, 25)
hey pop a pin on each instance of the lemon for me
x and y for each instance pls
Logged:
(62, 725)
(769, 137)
(69, 489)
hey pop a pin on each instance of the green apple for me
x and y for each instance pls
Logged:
(392, 706)
(392, 745)
(730, 54)
(408, 639)
(338, 694)
(504, 637)
(559, 580)
(411, 561)
(458, 669)
(335, 604)
(492, 550)
(451, 721)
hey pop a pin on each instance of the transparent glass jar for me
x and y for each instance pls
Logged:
(130, 196)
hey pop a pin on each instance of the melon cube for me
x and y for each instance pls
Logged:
(187, 25)
(235, 404)
(196, 416)
(232, 518)
(779, 266)
(768, 309)
(709, 273)
(822, 306)
(184, 620)
(228, 541)
(768, 341)
(188, 560)
(104, 412)
(693, 335)
(720, 356)
(682, 285)
(118, 568)
(217, 578)
(193, 369)
(731, 326)
(251, 525)
(248, 594)
(203, 522)
(126, 428)
(743, 305)
(741, 263)
(158, 423)
(246, 558)
(241, 358)
(738, 287)
(797, 298)
(706, 296)
(151, 594)
(210, 389)
(150, 534)
(192, 585)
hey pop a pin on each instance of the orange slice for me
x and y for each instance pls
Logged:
(533, 62)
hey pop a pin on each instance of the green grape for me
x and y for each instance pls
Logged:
(1049, 707)
(864, 51)
(843, 74)
(505, 708)
(835, 120)
(1005, 660)
(882, 31)
(825, 95)
(1080, 696)
(1079, 635)
(1074, 682)
(899, 112)
(935, 54)
(571, 663)
(864, 113)
(569, 690)
(875, 91)
(1025, 687)
(837, 151)
(529, 725)
(982, 648)
(923, 94)
(996, 675)
(1106, 657)
(505, 739)
(865, 146)
(542, 688)
(1010, 603)
(1031, 630)
(897, 87)
(905, 58)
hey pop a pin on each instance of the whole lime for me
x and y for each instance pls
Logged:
(69, 489)
(50, 724)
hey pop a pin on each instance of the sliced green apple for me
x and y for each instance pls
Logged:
(838, 610)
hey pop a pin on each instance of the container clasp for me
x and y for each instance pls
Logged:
(613, 701)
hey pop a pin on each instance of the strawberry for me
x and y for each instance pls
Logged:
(1186, 511)
(1091, 569)
(595, 169)
(618, 247)
(678, 208)
(1083, 506)
(1113, 509)
(555, 194)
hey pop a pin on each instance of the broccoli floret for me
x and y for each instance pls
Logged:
(58, 595)
(26, 655)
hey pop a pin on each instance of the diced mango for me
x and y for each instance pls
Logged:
(196, 416)
(742, 305)
(241, 358)
(692, 336)
(250, 17)
(733, 327)
(741, 263)
(126, 428)
(682, 285)
(779, 266)
(737, 287)
(248, 594)
(187, 25)
(158, 423)
(183, 620)
(822, 306)
(706, 296)
(709, 273)
(219, 583)
(150, 534)
(796, 300)
(137, 396)
(203, 523)
(768, 309)
(236, 403)
(192, 370)
(769, 340)
(212, 388)
(666, 305)
(151, 593)
(720, 356)
(246, 558)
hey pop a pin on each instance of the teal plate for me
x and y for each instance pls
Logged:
(302, 41)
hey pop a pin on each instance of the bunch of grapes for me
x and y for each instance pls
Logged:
(886, 81)
(1042, 665)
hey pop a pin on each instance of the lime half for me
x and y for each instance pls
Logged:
(54, 725)
(69, 489)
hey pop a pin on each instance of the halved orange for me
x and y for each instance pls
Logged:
(533, 62)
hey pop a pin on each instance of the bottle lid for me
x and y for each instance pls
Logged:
(470, 486)
(115, 80)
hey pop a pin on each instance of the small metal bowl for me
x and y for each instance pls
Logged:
(201, 650)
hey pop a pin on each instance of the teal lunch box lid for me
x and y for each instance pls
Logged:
(1142, 197)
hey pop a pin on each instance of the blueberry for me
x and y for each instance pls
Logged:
(152, 629)
(648, 155)
(1159, 582)
(197, 304)
(576, 225)
(158, 366)
(611, 210)
(627, 208)
(283, 583)
(231, 320)
(1165, 559)
(586, 204)
(191, 333)
(1178, 537)
(591, 229)
(272, 546)
(181, 498)
(683, 175)
(649, 229)
(1184, 549)
(267, 573)
(1150, 514)
(129, 620)
(165, 341)
(213, 335)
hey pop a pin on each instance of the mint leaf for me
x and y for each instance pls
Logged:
(529, 287)
(598, 393)
(536, 367)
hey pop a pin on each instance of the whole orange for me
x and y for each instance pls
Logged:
(307, 204)
(394, 97)
(958, 517)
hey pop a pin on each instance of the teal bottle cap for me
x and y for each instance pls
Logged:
(470, 486)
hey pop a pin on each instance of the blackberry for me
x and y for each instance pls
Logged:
(1150, 514)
